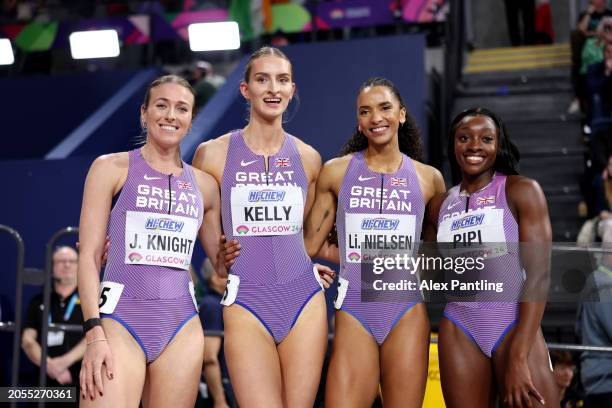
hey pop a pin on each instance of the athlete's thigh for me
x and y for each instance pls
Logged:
(464, 367)
(252, 360)
(404, 360)
(354, 370)
(302, 353)
(129, 363)
(539, 367)
(173, 377)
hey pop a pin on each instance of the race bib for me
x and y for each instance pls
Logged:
(110, 292)
(231, 290)
(368, 236)
(193, 298)
(341, 294)
(159, 239)
(267, 210)
(481, 230)
(55, 338)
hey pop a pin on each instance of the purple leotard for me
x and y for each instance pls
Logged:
(488, 316)
(155, 300)
(377, 207)
(276, 274)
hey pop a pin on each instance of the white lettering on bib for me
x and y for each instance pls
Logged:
(368, 235)
(267, 210)
(159, 239)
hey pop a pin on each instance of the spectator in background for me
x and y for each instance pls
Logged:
(592, 53)
(211, 315)
(564, 369)
(65, 349)
(590, 20)
(204, 89)
(205, 82)
(526, 8)
(595, 326)
(587, 25)
(599, 82)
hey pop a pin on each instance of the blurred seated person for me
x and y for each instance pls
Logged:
(564, 370)
(595, 327)
(65, 349)
(205, 83)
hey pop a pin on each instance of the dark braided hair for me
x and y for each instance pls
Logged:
(409, 137)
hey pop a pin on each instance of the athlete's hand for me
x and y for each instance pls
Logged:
(518, 384)
(55, 367)
(64, 378)
(229, 251)
(97, 355)
(326, 274)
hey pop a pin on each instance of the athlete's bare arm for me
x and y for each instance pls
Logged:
(210, 156)
(105, 178)
(210, 231)
(527, 201)
(311, 159)
(432, 212)
(320, 220)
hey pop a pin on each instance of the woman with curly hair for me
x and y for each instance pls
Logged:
(375, 193)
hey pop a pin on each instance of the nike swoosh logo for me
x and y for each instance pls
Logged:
(244, 164)
(360, 178)
(452, 205)
(151, 178)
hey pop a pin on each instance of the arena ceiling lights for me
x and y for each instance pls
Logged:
(214, 36)
(6, 52)
(94, 44)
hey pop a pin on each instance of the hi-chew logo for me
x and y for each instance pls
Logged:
(266, 196)
(379, 224)
(242, 229)
(467, 221)
(164, 224)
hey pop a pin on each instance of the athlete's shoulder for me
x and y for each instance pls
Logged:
(111, 162)
(306, 151)
(430, 178)
(428, 171)
(210, 155)
(338, 164)
(520, 183)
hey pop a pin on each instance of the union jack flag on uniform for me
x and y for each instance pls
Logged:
(184, 185)
(398, 181)
(485, 200)
(282, 162)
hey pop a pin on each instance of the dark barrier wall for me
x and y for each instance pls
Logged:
(328, 76)
(44, 110)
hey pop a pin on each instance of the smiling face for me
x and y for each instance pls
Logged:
(168, 114)
(379, 114)
(476, 144)
(269, 87)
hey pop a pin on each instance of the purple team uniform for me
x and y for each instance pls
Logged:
(263, 210)
(486, 317)
(377, 211)
(153, 226)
